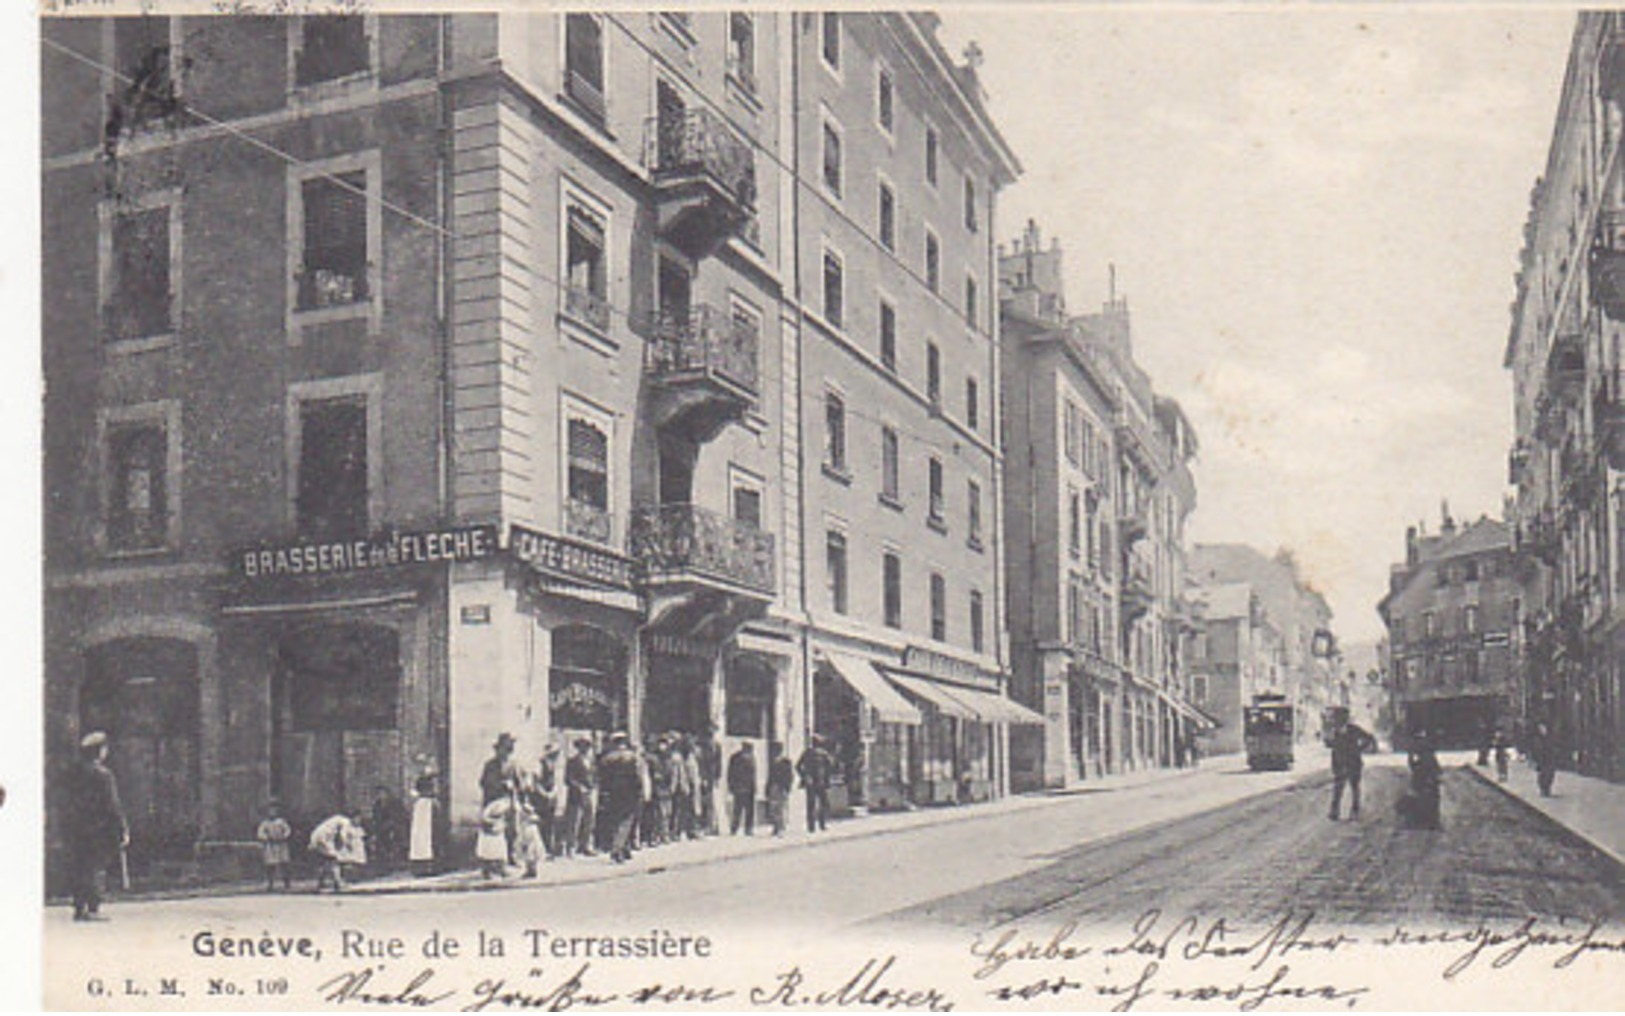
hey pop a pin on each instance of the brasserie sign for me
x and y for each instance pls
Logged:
(385, 550)
(569, 559)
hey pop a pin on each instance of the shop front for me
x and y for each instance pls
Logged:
(854, 705)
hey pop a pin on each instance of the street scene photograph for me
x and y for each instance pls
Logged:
(1110, 507)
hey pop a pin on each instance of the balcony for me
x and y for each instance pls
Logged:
(703, 370)
(1133, 524)
(686, 547)
(704, 176)
(1538, 538)
(1566, 368)
(1138, 591)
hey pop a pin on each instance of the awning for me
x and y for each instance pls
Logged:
(1189, 711)
(945, 701)
(996, 708)
(864, 679)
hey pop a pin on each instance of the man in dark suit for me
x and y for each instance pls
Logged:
(95, 827)
(1349, 744)
(817, 769)
(620, 794)
(742, 788)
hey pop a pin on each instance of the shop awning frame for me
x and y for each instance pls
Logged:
(937, 695)
(1189, 711)
(863, 677)
(995, 708)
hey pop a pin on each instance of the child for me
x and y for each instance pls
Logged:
(491, 848)
(531, 847)
(338, 841)
(274, 834)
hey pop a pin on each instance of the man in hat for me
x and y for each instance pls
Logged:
(620, 793)
(500, 779)
(816, 767)
(95, 828)
(742, 790)
(580, 782)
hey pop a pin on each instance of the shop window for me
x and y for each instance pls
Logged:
(343, 677)
(333, 271)
(333, 476)
(888, 336)
(939, 608)
(834, 289)
(586, 269)
(137, 505)
(891, 578)
(830, 40)
(835, 569)
(584, 63)
(835, 433)
(890, 467)
(933, 262)
(331, 47)
(888, 217)
(587, 679)
(139, 298)
(748, 709)
(742, 49)
(976, 633)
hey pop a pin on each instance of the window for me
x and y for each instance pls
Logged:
(973, 509)
(1074, 609)
(835, 432)
(931, 156)
(1429, 624)
(832, 157)
(584, 63)
(973, 404)
(891, 579)
(331, 47)
(742, 49)
(970, 299)
(830, 28)
(1469, 620)
(933, 374)
(834, 289)
(976, 620)
(939, 608)
(332, 492)
(1074, 522)
(141, 85)
(970, 204)
(1199, 689)
(1072, 433)
(888, 336)
(586, 270)
(890, 470)
(935, 505)
(884, 114)
(137, 292)
(1091, 530)
(933, 261)
(835, 569)
(1470, 666)
(747, 505)
(888, 217)
(1469, 570)
(334, 269)
(586, 506)
(136, 494)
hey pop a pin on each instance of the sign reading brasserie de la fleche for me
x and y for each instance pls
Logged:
(385, 550)
(569, 559)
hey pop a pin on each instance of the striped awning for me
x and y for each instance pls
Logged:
(860, 674)
(995, 708)
(935, 695)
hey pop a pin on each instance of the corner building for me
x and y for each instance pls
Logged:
(417, 378)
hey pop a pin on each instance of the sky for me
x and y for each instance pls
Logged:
(1316, 217)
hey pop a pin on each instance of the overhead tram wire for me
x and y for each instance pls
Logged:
(413, 218)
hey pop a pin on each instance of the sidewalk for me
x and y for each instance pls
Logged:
(1590, 808)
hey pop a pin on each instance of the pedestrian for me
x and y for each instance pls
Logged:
(425, 813)
(544, 800)
(742, 790)
(531, 846)
(499, 778)
(337, 841)
(95, 829)
(816, 767)
(273, 834)
(781, 776)
(1349, 744)
(1544, 750)
(619, 794)
(1419, 808)
(1502, 756)
(493, 847)
(662, 789)
(710, 759)
(387, 829)
(580, 787)
(685, 780)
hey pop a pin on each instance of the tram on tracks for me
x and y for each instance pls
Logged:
(1267, 732)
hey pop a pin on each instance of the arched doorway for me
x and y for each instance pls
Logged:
(143, 691)
(336, 717)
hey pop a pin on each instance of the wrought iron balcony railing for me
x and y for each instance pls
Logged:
(588, 522)
(699, 142)
(587, 307)
(678, 541)
(707, 343)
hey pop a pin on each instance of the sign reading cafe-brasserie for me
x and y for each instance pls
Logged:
(384, 550)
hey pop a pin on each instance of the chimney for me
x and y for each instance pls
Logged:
(1447, 525)
(1410, 546)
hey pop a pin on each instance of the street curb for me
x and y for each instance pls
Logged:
(1569, 832)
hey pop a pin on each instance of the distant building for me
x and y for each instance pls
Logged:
(1235, 654)
(1452, 612)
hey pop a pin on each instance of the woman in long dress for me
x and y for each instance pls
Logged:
(420, 851)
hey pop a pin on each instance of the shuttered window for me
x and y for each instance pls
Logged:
(335, 253)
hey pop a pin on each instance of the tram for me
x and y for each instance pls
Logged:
(1267, 732)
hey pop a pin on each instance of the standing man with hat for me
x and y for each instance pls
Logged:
(816, 767)
(500, 779)
(620, 794)
(95, 826)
